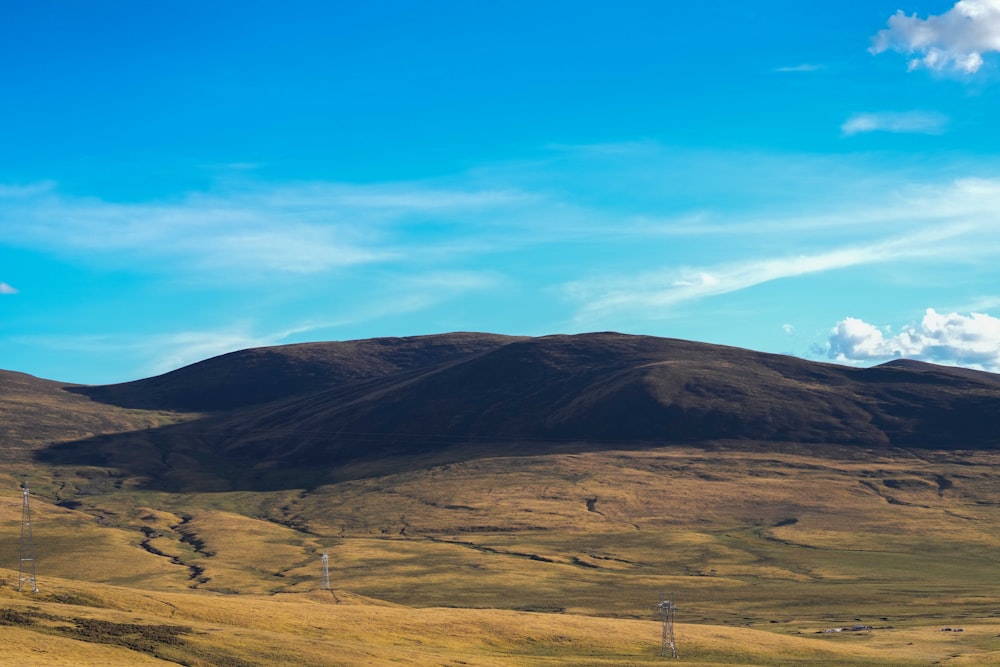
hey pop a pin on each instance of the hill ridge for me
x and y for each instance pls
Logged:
(377, 403)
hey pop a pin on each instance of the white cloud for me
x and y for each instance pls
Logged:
(913, 122)
(972, 340)
(955, 40)
(856, 340)
(698, 280)
(7, 289)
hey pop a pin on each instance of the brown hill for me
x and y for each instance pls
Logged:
(36, 412)
(262, 375)
(369, 407)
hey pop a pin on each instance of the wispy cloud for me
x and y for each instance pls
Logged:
(454, 281)
(933, 224)
(804, 67)
(300, 229)
(27, 190)
(910, 122)
(954, 41)
(158, 353)
(656, 292)
(7, 289)
(982, 304)
(170, 351)
(966, 340)
(606, 234)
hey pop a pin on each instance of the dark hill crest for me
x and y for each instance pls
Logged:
(317, 410)
(261, 375)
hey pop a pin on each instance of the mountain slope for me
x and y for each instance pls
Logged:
(435, 399)
(260, 375)
(614, 389)
(35, 412)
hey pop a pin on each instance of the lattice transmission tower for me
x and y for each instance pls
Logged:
(667, 610)
(26, 567)
(326, 572)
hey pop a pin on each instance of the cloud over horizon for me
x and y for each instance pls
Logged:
(5, 288)
(964, 340)
(953, 41)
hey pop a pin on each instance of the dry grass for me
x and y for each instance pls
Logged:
(761, 551)
(341, 629)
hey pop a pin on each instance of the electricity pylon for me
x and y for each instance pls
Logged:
(667, 609)
(326, 572)
(26, 567)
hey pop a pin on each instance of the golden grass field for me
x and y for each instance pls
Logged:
(544, 560)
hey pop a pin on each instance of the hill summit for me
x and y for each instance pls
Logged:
(325, 410)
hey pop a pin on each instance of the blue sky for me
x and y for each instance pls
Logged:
(179, 180)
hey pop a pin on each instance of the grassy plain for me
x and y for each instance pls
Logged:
(542, 560)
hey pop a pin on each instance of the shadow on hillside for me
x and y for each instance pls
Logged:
(176, 459)
(214, 454)
(534, 397)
